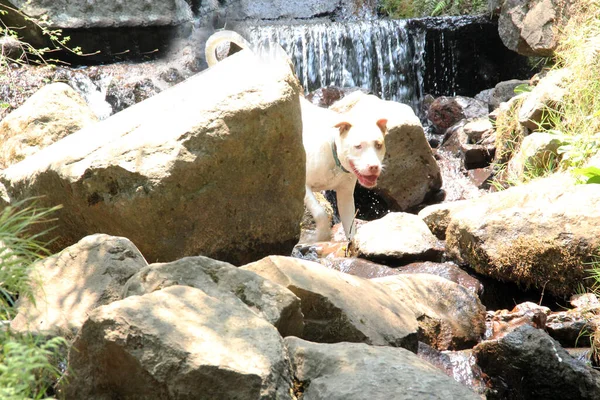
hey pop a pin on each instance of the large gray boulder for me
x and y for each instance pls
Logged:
(53, 112)
(222, 280)
(356, 371)
(530, 27)
(177, 343)
(411, 173)
(342, 308)
(211, 166)
(69, 285)
(539, 235)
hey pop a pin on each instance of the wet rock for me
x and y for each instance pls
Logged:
(324, 97)
(121, 96)
(172, 75)
(351, 371)
(338, 307)
(358, 267)
(52, 113)
(69, 285)
(457, 184)
(530, 27)
(177, 343)
(222, 280)
(444, 112)
(396, 239)
(503, 321)
(475, 154)
(180, 152)
(446, 270)
(447, 111)
(504, 91)
(552, 232)
(482, 177)
(529, 364)
(450, 316)
(411, 175)
(459, 365)
(485, 96)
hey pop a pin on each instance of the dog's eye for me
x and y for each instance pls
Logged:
(358, 146)
(378, 145)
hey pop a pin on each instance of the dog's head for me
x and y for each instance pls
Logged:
(362, 148)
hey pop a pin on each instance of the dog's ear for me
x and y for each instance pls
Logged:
(382, 124)
(343, 127)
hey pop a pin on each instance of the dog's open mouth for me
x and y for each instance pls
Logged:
(367, 181)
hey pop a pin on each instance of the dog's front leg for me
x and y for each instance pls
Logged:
(323, 231)
(345, 203)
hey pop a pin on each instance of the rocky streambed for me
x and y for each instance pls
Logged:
(180, 269)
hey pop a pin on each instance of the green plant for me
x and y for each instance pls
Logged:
(19, 248)
(29, 53)
(589, 174)
(27, 363)
(433, 8)
(28, 366)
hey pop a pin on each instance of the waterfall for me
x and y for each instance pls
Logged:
(383, 57)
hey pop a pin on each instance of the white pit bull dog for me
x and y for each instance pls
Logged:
(340, 150)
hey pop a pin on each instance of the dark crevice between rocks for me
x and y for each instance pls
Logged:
(499, 295)
(299, 387)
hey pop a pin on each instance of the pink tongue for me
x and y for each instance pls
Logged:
(369, 179)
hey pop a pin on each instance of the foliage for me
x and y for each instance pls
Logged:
(575, 120)
(19, 248)
(433, 8)
(27, 53)
(27, 364)
(591, 174)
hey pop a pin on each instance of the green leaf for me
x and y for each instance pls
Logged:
(590, 172)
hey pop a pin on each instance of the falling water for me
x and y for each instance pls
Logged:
(383, 57)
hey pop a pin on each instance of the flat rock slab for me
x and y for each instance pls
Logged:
(338, 307)
(219, 279)
(356, 371)
(69, 285)
(396, 239)
(177, 343)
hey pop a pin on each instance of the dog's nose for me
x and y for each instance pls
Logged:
(374, 169)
